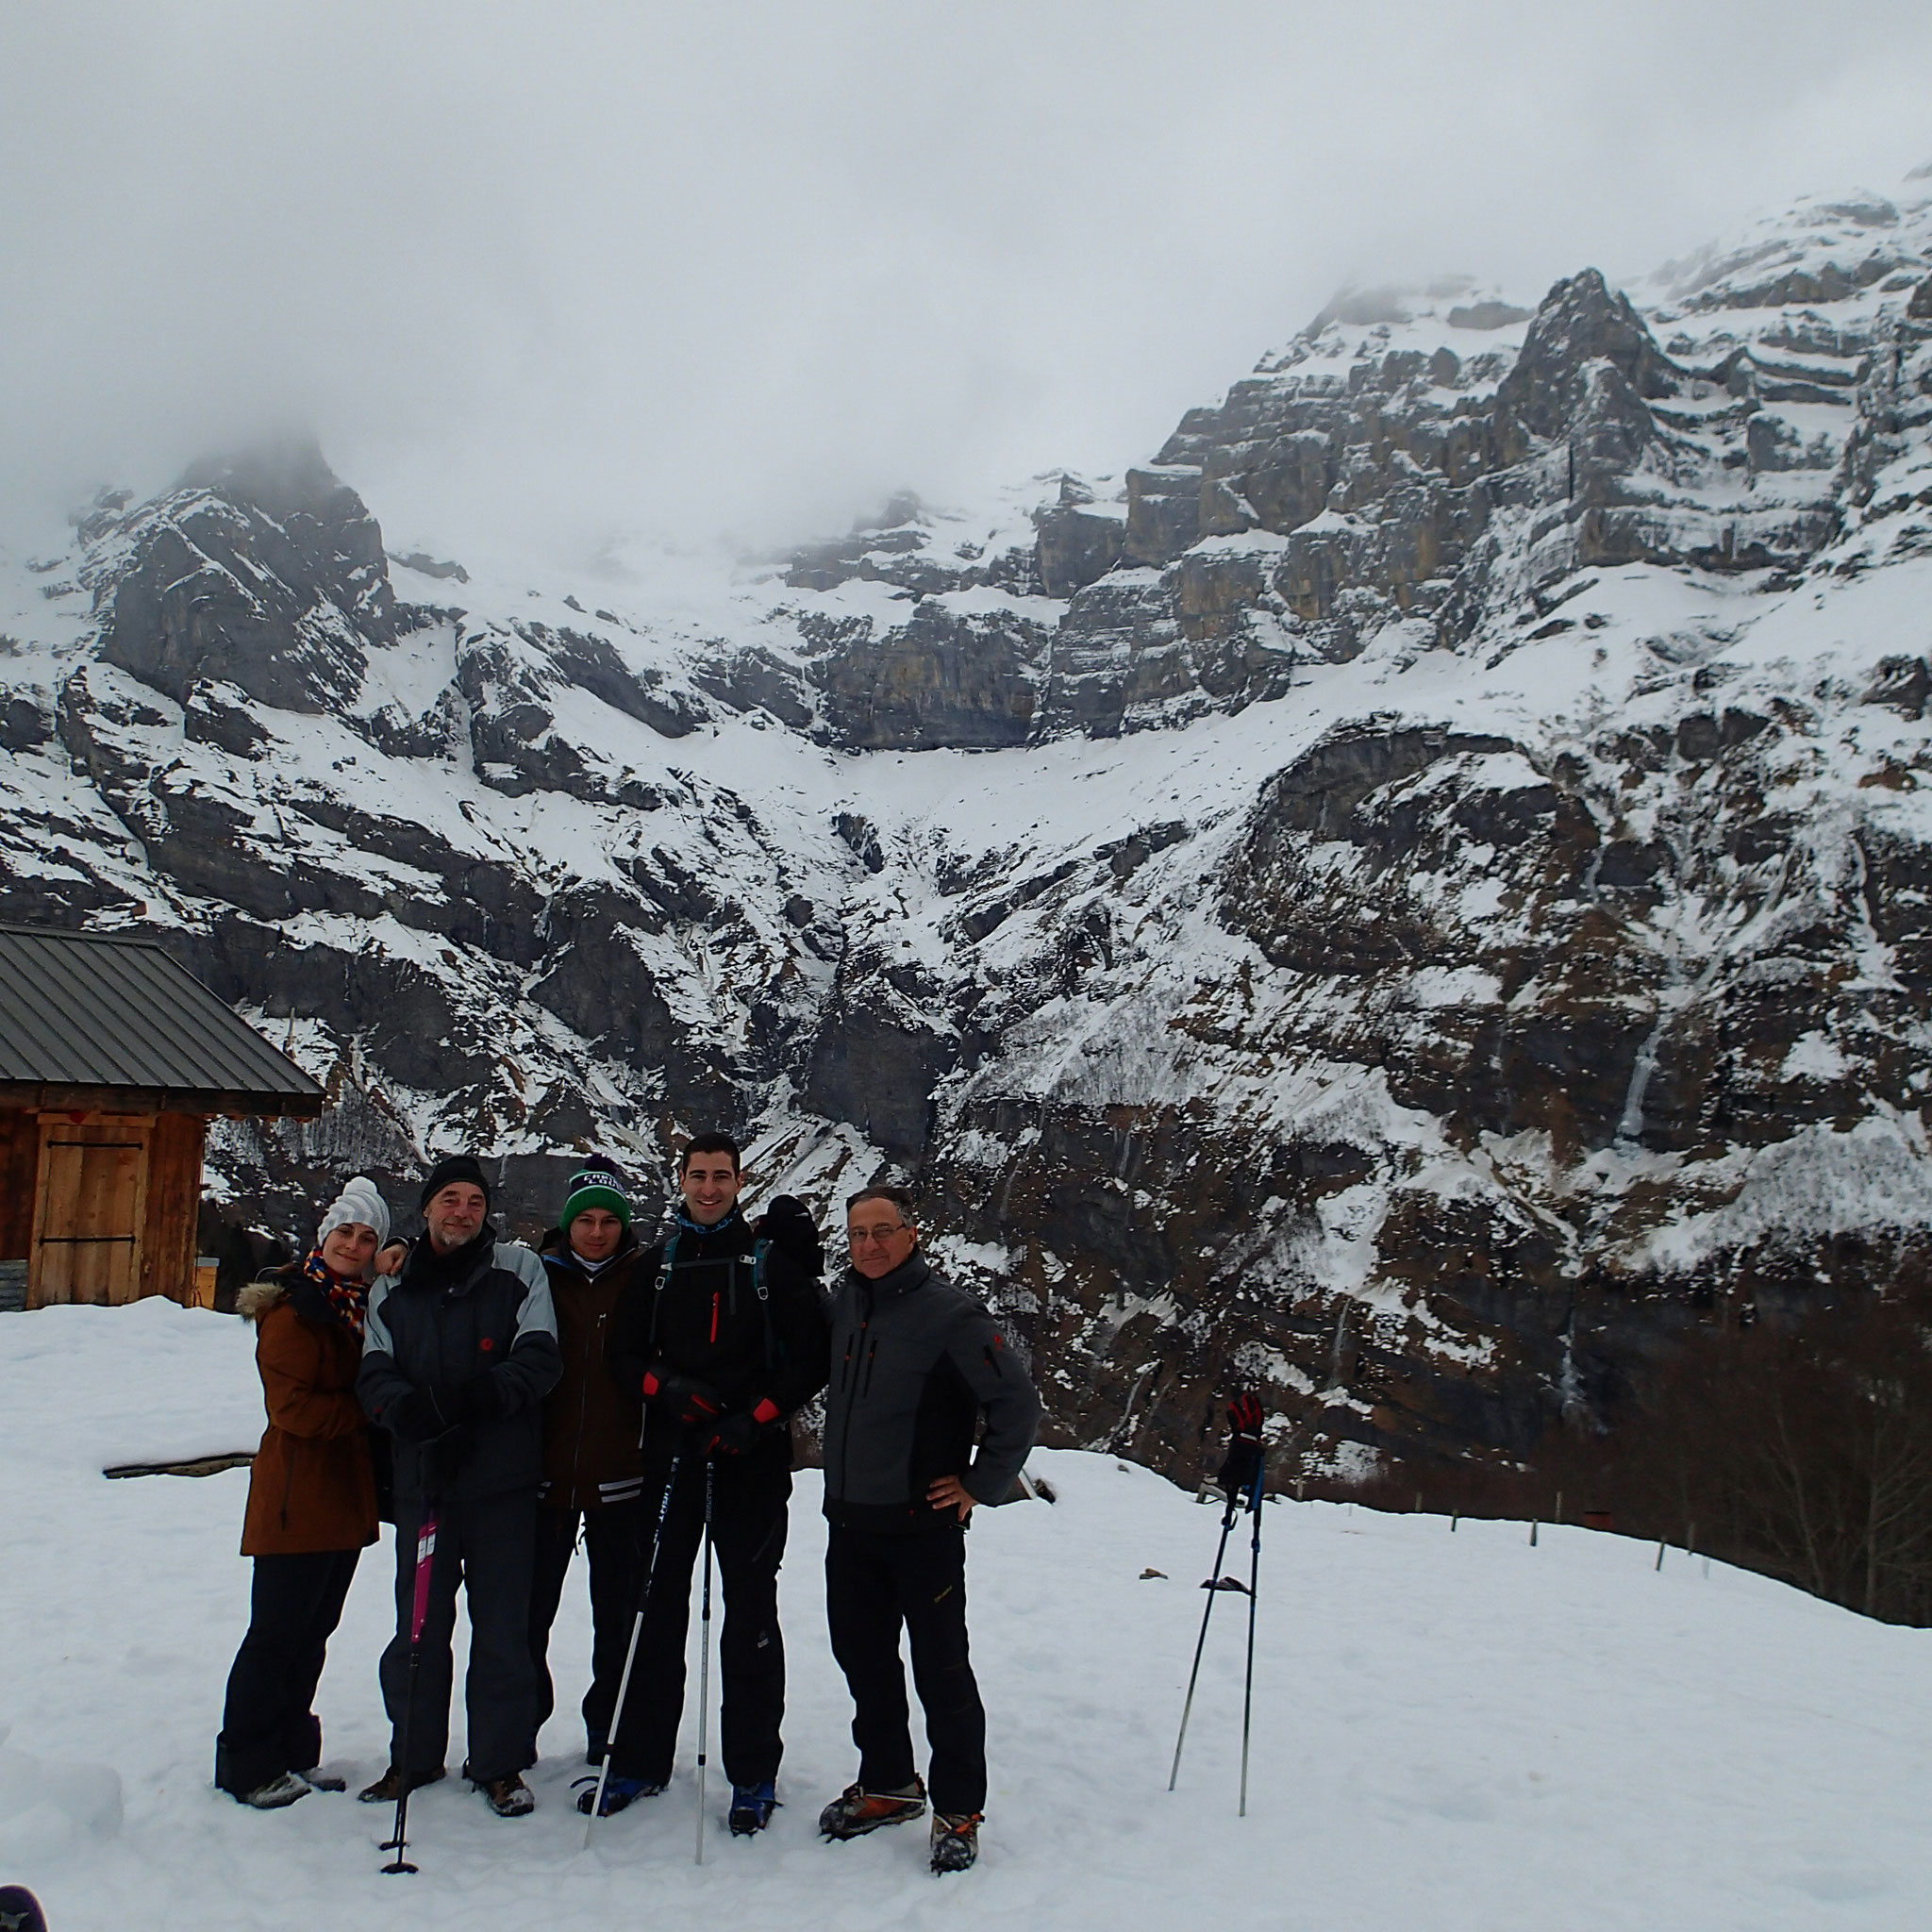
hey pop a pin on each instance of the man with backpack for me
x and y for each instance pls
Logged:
(722, 1334)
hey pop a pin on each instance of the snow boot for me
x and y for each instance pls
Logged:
(751, 1807)
(620, 1793)
(954, 1839)
(389, 1787)
(317, 1781)
(284, 1789)
(509, 1797)
(858, 1810)
(20, 1910)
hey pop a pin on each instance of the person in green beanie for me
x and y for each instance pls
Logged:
(593, 1463)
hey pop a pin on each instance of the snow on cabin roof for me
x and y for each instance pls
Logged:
(89, 1011)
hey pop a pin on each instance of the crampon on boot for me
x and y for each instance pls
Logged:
(620, 1793)
(954, 1839)
(751, 1807)
(857, 1810)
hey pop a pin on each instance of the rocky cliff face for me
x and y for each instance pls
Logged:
(1414, 895)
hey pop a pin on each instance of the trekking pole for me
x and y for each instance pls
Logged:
(630, 1656)
(1213, 1587)
(704, 1659)
(1254, 1597)
(419, 1611)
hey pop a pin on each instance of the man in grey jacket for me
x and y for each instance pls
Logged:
(915, 1363)
(459, 1351)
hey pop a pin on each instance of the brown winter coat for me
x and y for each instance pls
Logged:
(313, 1485)
(591, 1428)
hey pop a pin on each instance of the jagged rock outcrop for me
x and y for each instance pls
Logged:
(265, 573)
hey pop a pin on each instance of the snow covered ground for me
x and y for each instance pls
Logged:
(1453, 1730)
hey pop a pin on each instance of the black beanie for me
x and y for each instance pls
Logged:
(452, 1168)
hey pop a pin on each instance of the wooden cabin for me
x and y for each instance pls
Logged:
(113, 1059)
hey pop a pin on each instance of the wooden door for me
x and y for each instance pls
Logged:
(88, 1214)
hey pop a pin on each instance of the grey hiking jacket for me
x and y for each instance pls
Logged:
(915, 1362)
(436, 1327)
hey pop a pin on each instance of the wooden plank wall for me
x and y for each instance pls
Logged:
(174, 1204)
(173, 1196)
(20, 1159)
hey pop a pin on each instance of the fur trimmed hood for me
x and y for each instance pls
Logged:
(259, 1297)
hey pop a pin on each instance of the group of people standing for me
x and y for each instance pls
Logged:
(638, 1399)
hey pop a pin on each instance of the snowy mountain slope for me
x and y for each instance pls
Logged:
(1451, 1730)
(1417, 894)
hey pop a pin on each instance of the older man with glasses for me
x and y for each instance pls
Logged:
(915, 1362)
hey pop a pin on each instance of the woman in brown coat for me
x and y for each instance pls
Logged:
(312, 1501)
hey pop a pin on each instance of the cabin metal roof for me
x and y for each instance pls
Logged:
(97, 1020)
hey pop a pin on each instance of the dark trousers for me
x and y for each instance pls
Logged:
(875, 1583)
(610, 1543)
(294, 1604)
(488, 1544)
(748, 1525)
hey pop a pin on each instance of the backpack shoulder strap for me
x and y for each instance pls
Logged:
(666, 1261)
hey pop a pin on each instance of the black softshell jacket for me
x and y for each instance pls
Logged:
(484, 1310)
(915, 1361)
(706, 1322)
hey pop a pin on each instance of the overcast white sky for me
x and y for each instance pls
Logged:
(539, 275)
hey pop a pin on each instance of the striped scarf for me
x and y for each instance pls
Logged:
(349, 1299)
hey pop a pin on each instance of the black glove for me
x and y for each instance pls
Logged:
(440, 1459)
(693, 1403)
(733, 1436)
(787, 1223)
(1244, 1465)
(481, 1399)
(419, 1415)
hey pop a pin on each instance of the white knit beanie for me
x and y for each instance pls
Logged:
(357, 1202)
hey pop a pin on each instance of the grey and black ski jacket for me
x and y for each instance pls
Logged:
(915, 1361)
(483, 1310)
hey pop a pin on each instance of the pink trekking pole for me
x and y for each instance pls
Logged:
(419, 1611)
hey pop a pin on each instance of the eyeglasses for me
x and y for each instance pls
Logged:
(879, 1237)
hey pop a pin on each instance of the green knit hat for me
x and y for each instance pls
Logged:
(596, 1186)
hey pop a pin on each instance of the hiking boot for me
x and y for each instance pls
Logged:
(858, 1810)
(751, 1807)
(389, 1787)
(283, 1789)
(509, 1797)
(619, 1794)
(954, 1839)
